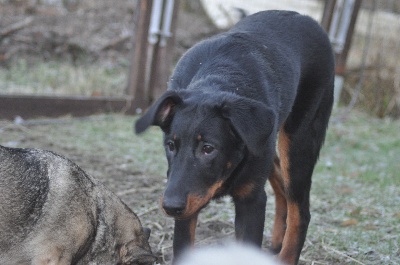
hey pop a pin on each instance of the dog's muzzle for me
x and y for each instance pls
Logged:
(173, 207)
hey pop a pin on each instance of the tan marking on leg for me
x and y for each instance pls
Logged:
(279, 228)
(283, 148)
(244, 191)
(195, 202)
(289, 250)
(160, 202)
(288, 253)
(193, 224)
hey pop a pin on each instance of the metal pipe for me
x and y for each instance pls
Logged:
(335, 21)
(166, 26)
(345, 23)
(341, 23)
(156, 14)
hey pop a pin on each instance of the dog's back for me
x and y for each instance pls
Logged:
(263, 57)
(38, 193)
(24, 189)
(52, 211)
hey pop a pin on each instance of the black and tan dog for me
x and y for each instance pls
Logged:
(51, 213)
(231, 98)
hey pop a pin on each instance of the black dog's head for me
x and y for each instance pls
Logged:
(206, 136)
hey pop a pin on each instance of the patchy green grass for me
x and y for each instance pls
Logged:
(63, 78)
(356, 192)
(109, 136)
(354, 200)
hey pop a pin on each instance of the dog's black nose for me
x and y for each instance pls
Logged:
(173, 208)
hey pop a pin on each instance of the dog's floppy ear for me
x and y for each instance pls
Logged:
(251, 120)
(160, 113)
(147, 232)
(130, 253)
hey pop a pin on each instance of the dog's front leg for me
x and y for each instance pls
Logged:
(184, 234)
(250, 217)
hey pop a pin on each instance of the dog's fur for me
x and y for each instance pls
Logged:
(51, 213)
(229, 100)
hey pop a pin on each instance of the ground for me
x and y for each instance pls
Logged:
(354, 199)
(355, 219)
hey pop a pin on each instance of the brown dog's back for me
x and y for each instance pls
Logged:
(52, 212)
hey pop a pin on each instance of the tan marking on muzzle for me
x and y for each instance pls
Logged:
(195, 202)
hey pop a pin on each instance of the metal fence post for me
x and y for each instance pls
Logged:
(137, 72)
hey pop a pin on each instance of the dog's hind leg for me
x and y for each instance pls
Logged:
(300, 140)
(278, 231)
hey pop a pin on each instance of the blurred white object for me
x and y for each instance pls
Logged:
(228, 254)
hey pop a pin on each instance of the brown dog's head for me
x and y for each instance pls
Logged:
(206, 136)
(121, 239)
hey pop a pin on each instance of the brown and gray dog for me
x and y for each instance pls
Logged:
(52, 212)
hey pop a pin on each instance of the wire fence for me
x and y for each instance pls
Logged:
(372, 80)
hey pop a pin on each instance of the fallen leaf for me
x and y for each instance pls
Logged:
(356, 211)
(349, 222)
(344, 190)
(371, 227)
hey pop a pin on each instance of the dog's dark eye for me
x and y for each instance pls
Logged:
(207, 149)
(171, 146)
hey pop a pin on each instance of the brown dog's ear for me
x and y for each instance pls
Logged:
(160, 113)
(147, 232)
(131, 254)
(251, 120)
